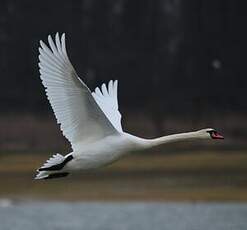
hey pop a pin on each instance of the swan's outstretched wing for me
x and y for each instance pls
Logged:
(81, 119)
(107, 100)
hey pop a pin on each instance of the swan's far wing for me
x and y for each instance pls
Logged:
(75, 109)
(107, 100)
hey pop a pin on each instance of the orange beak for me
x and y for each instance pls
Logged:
(216, 135)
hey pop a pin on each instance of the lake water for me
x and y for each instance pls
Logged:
(121, 216)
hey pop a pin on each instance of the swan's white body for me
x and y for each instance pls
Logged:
(103, 152)
(91, 121)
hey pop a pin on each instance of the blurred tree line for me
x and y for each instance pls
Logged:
(170, 56)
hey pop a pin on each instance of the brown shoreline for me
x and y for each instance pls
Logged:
(194, 176)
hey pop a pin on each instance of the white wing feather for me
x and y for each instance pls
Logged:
(81, 119)
(108, 102)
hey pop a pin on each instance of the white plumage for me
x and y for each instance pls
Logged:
(90, 121)
(80, 117)
(107, 100)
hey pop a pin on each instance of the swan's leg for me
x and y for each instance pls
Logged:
(56, 175)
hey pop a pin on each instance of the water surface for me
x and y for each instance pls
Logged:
(121, 216)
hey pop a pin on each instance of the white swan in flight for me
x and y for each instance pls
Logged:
(91, 121)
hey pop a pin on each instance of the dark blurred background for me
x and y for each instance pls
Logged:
(180, 65)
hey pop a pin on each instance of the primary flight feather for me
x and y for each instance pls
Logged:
(90, 121)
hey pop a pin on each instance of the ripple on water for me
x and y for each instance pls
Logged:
(121, 216)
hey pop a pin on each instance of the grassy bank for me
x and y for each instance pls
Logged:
(205, 176)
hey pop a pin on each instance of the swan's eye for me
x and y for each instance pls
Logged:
(215, 135)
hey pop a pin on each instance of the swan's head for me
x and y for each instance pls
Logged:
(210, 133)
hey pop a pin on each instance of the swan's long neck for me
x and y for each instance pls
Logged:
(174, 138)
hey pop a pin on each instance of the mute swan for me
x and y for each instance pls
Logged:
(91, 121)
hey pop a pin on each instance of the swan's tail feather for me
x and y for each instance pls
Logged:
(48, 175)
(52, 167)
(56, 162)
(42, 175)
